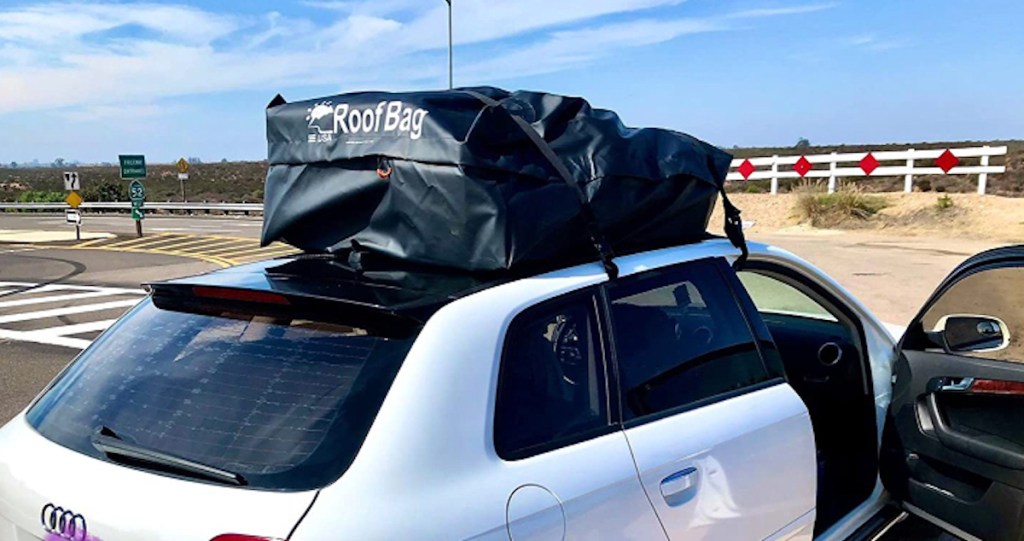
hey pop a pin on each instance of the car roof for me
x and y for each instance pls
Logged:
(413, 292)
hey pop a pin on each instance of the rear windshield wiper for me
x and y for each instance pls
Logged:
(108, 442)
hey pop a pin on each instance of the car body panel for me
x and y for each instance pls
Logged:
(739, 456)
(124, 504)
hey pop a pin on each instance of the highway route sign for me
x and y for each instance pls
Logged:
(137, 192)
(132, 166)
(137, 215)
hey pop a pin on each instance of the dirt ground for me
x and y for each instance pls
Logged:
(894, 261)
(970, 216)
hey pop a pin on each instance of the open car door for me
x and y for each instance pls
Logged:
(953, 446)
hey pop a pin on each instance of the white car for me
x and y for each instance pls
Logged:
(295, 399)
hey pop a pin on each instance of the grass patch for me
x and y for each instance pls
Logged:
(849, 203)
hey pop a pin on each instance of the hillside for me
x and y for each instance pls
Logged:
(243, 181)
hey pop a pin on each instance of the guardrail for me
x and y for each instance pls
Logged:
(870, 164)
(245, 208)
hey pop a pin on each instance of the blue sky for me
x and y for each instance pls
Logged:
(87, 80)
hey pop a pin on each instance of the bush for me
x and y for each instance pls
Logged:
(944, 203)
(41, 197)
(831, 209)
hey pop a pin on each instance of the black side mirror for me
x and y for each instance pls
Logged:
(967, 333)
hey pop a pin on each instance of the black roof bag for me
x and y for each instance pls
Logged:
(481, 179)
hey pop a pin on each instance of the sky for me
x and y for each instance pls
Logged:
(88, 80)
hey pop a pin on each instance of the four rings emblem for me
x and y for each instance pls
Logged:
(63, 522)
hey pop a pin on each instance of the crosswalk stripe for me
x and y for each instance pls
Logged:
(57, 298)
(21, 336)
(71, 330)
(56, 312)
(16, 284)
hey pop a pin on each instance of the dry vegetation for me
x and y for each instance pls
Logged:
(849, 204)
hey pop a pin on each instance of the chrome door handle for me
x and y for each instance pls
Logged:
(961, 385)
(677, 488)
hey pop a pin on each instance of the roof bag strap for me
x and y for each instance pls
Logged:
(604, 250)
(734, 230)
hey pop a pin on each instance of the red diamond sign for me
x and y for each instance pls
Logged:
(947, 161)
(802, 166)
(746, 169)
(868, 163)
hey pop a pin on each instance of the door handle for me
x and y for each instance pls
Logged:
(679, 487)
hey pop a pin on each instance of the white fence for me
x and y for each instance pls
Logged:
(886, 163)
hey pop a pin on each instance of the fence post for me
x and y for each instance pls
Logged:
(832, 174)
(983, 177)
(908, 181)
(775, 174)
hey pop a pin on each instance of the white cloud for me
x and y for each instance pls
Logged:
(871, 42)
(776, 12)
(97, 58)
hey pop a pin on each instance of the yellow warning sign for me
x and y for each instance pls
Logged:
(182, 166)
(74, 200)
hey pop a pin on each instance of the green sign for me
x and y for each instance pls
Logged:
(137, 214)
(132, 166)
(137, 192)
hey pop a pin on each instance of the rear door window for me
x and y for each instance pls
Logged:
(551, 388)
(680, 340)
(284, 402)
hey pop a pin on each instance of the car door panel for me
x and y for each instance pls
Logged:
(953, 446)
(747, 466)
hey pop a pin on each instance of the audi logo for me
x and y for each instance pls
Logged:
(63, 522)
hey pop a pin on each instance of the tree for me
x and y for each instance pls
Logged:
(14, 165)
(803, 142)
(59, 162)
(223, 160)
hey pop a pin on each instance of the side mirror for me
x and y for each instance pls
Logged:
(967, 333)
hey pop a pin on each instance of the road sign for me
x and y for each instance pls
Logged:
(72, 216)
(182, 166)
(132, 166)
(136, 191)
(182, 176)
(73, 200)
(137, 215)
(71, 181)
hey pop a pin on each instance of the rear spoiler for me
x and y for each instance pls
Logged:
(215, 299)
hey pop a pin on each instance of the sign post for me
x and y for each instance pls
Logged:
(72, 184)
(183, 176)
(133, 167)
(137, 192)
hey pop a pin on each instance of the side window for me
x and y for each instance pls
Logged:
(680, 339)
(551, 385)
(772, 296)
(982, 315)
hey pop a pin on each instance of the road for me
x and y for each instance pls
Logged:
(46, 315)
(121, 224)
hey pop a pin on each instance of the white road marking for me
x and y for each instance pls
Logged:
(21, 336)
(61, 335)
(63, 298)
(71, 330)
(57, 312)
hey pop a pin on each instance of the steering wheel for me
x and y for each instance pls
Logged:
(567, 346)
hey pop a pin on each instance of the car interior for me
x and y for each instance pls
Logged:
(822, 349)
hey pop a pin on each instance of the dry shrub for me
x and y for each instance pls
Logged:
(849, 203)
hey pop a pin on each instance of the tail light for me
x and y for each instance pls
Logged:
(242, 537)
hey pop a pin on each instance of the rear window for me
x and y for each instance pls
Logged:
(284, 402)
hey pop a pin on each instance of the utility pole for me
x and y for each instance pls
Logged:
(451, 84)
